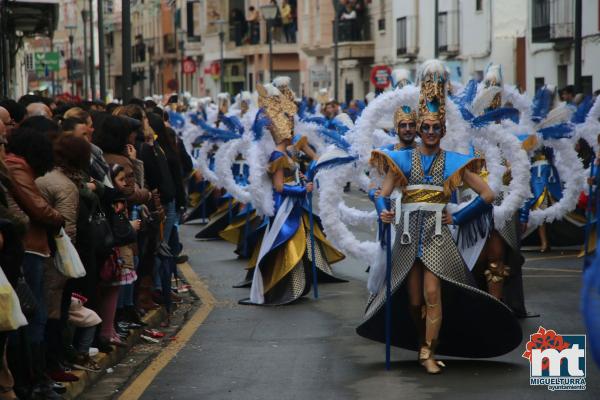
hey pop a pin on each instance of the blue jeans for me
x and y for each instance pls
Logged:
(33, 270)
(170, 220)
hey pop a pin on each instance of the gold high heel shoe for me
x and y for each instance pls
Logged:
(427, 360)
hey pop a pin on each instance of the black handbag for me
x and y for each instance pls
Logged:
(101, 230)
(123, 232)
(27, 300)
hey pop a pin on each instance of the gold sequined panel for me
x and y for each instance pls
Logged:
(424, 196)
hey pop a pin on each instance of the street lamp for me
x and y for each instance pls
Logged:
(84, 17)
(72, 62)
(269, 12)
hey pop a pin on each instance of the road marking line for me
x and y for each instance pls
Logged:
(574, 255)
(551, 276)
(552, 269)
(139, 385)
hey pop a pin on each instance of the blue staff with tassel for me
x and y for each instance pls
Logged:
(309, 177)
(588, 213)
(383, 204)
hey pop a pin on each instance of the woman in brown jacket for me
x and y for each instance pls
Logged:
(61, 188)
(29, 155)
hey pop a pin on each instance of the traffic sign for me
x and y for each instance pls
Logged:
(380, 76)
(188, 66)
(45, 62)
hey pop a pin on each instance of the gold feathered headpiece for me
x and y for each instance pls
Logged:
(280, 108)
(404, 113)
(433, 78)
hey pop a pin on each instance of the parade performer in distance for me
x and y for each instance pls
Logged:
(554, 196)
(283, 270)
(435, 303)
(225, 206)
(497, 259)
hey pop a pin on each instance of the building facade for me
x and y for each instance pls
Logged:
(550, 49)
(207, 46)
(470, 35)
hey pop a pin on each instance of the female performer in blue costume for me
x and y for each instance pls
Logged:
(283, 270)
(429, 279)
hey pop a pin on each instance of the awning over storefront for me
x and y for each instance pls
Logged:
(32, 17)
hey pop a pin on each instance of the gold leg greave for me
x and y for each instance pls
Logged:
(433, 322)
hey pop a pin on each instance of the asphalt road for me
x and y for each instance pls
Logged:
(309, 350)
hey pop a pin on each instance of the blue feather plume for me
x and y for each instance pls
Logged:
(332, 163)
(302, 108)
(316, 120)
(468, 94)
(261, 121)
(558, 131)
(233, 124)
(338, 126)
(542, 102)
(194, 117)
(361, 105)
(216, 134)
(176, 120)
(495, 115)
(582, 110)
(333, 137)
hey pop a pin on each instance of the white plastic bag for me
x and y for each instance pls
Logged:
(11, 317)
(66, 259)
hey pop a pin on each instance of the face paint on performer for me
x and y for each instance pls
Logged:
(431, 132)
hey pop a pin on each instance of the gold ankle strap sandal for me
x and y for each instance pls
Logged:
(432, 366)
(497, 272)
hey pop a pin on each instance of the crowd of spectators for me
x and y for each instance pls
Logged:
(111, 179)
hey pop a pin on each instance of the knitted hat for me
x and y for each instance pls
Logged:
(80, 316)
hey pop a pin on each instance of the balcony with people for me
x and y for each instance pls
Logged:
(353, 21)
(354, 30)
(255, 26)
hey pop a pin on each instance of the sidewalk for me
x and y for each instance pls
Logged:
(122, 365)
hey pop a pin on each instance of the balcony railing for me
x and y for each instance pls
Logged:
(352, 30)
(552, 20)
(245, 33)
